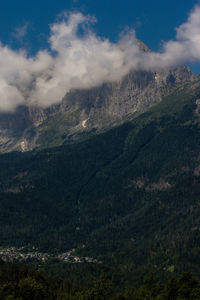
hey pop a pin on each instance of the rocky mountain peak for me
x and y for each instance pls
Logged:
(83, 111)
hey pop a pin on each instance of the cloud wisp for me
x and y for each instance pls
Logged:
(21, 31)
(79, 60)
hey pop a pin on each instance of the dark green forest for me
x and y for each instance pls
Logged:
(18, 282)
(129, 197)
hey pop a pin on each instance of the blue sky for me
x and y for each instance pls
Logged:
(154, 21)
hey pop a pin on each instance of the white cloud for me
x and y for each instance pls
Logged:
(82, 61)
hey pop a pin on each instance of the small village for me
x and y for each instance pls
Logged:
(69, 257)
(13, 254)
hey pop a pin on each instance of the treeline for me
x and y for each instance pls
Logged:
(19, 282)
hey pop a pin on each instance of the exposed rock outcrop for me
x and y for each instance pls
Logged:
(102, 107)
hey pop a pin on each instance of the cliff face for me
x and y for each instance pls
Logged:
(136, 92)
(18, 129)
(85, 111)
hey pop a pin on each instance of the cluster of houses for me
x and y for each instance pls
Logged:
(13, 254)
(70, 257)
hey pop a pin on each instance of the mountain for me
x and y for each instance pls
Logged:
(108, 177)
(128, 197)
(83, 113)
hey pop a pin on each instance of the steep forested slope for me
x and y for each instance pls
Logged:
(128, 197)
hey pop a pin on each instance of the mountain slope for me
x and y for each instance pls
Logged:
(128, 197)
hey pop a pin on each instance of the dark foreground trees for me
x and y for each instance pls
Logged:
(19, 282)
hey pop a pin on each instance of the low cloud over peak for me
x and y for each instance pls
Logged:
(79, 59)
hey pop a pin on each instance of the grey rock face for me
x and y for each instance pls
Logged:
(135, 93)
(85, 110)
